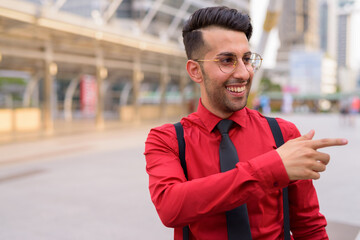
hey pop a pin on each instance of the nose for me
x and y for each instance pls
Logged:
(242, 71)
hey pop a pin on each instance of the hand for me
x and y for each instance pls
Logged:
(301, 158)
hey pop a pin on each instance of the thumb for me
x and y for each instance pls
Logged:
(307, 136)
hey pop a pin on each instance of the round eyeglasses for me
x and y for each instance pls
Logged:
(228, 62)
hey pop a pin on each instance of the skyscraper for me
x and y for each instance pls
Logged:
(299, 60)
(298, 27)
(343, 29)
(348, 49)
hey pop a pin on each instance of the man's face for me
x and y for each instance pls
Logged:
(224, 93)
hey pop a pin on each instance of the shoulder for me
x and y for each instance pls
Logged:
(161, 137)
(288, 129)
(168, 129)
(164, 131)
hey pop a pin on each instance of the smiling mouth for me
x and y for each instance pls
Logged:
(236, 89)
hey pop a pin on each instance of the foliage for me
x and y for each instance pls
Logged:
(266, 85)
(11, 80)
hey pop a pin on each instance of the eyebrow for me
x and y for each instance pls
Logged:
(226, 54)
(232, 54)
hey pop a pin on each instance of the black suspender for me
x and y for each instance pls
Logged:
(279, 140)
(181, 142)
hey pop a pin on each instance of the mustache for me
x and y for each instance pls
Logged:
(237, 81)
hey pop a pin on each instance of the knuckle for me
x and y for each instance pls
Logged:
(312, 174)
(308, 153)
(324, 140)
(327, 158)
(316, 176)
(323, 167)
(306, 173)
(320, 167)
(309, 164)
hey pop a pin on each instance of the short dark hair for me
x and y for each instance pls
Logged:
(212, 16)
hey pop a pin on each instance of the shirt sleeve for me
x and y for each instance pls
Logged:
(306, 221)
(180, 202)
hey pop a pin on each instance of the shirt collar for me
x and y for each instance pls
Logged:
(210, 120)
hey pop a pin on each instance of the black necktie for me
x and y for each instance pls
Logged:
(237, 219)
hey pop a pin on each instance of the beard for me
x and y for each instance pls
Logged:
(220, 99)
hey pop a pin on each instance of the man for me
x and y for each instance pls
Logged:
(221, 62)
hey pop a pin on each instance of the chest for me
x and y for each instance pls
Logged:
(202, 149)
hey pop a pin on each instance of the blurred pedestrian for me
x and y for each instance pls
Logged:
(265, 104)
(216, 41)
(354, 109)
(287, 104)
(355, 105)
(344, 106)
(256, 103)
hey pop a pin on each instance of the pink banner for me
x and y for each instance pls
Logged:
(88, 97)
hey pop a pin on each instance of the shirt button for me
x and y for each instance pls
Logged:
(276, 184)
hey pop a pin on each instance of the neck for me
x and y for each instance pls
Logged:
(216, 112)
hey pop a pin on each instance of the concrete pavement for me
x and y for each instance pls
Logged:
(92, 184)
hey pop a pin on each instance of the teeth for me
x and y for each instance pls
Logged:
(236, 89)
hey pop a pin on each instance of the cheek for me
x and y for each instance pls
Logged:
(214, 78)
(211, 76)
(217, 78)
(216, 83)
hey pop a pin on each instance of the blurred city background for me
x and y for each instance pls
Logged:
(85, 80)
(123, 60)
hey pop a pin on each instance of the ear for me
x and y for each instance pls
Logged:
(194, 71)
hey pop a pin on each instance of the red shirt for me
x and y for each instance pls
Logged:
(257, 180)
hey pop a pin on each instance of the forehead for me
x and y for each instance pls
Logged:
(220, 40)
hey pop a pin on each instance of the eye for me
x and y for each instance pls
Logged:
(247, 59)
(227, 60)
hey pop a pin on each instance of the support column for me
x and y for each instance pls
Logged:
(50, 72)
(70, 91)
(138, 77)
(164, 80)
(30, 89)
(101, 74)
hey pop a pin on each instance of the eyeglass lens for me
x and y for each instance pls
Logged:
(228, 63)
(255, 61)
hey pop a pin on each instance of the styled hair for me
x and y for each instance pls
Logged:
(223, 17)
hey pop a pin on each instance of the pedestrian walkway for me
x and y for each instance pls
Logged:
(83, 183)
(61, 127)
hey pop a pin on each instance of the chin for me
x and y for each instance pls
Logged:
(236, 108)
(240, 105)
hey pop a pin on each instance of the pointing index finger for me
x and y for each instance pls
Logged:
(328, 142)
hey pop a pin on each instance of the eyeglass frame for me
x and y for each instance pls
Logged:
(235, 63)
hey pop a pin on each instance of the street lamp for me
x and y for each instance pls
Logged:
(53, 69)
